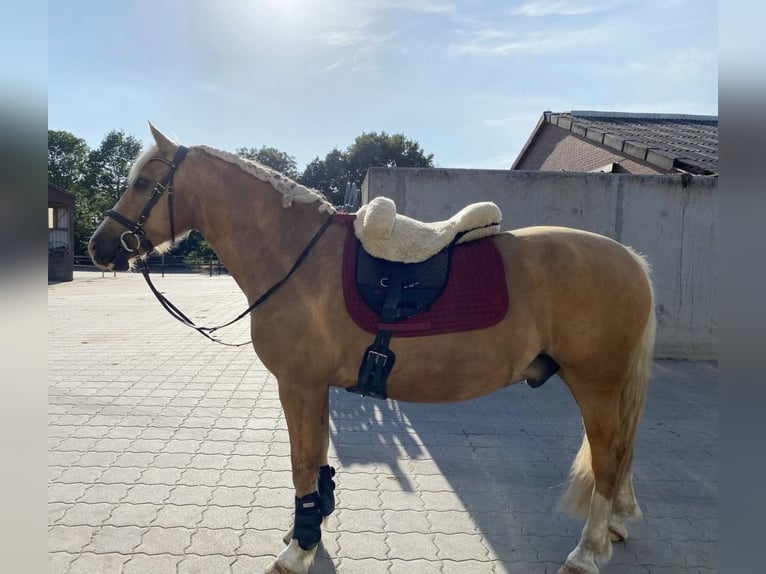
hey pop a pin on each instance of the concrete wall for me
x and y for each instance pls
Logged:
(675, 226)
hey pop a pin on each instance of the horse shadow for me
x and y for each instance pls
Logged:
(501, 460)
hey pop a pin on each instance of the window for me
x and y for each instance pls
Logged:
(58, 218)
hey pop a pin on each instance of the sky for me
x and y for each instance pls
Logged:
(466, 79)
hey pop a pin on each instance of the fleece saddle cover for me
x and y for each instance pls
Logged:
(474, 296)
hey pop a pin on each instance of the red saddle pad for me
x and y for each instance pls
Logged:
(476, 296)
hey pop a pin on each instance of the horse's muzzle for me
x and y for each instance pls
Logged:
(115, 259)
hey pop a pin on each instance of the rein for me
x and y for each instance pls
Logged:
(136, 230)
(177, 314)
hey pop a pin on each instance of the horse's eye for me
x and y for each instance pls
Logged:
(141, 183)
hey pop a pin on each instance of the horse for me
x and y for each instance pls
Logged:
(580, 298)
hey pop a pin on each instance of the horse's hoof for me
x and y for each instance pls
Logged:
(568, 569)
(288, 537)
(276, 568)
(613, 536)
(617, 532)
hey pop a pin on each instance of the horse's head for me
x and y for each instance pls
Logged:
(146, 217)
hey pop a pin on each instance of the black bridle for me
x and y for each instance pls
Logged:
(136, 230)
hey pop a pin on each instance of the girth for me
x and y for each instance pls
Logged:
(395, 291)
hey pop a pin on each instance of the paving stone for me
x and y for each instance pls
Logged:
(232, 496)
(224, 517)
(112, 493)
(205, 565)
(183, 494)
(206, 541)
(127, 514)
(411, 546)
(157, 564)
(359, 546)
(160, 540)
(171, 515)
(70, 539)
(459, 547)
(148, 493)
(261, 542)
(85, 514)
(58, 562)
(250, 564)
(122, 539)
(88, 563)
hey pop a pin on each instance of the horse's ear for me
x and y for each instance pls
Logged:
(163, 143)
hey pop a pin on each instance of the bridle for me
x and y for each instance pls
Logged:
(136, 231)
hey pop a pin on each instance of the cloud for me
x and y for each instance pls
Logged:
(420, 6)
(559, 8)
(332, 66)
(494, 42)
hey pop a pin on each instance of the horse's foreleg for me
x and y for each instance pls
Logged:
(304, 409)
(325, 483)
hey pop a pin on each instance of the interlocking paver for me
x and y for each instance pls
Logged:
(158, 564)
(87, 514)
(88, 563)
(161, 540)
(206, 541)
(69, 538)
(120, 539)
(211, 564)
(171, 515)
(411, 546)
(176, 459)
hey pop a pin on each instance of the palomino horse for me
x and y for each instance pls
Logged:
(580, 298)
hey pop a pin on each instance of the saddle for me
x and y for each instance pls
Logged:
(389, 235)
(402, 267)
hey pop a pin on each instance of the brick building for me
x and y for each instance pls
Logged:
(618, 142)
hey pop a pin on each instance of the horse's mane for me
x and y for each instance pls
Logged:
(290, 190)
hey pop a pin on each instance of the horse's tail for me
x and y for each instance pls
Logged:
(577, 498)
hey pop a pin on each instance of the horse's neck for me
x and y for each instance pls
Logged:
(256, 238)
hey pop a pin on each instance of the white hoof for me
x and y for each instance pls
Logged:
(292, 560)
(618, 532)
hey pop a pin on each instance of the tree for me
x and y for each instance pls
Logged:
(328, 175)
(103, 181)
(67, 155)
(273, 158)
(350, 166)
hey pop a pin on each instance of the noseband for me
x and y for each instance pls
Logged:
(136, 229)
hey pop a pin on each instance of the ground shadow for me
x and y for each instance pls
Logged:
(507, 456)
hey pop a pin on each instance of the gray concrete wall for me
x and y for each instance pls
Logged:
(675, 226)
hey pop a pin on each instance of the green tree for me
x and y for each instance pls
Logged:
(103, 181)
(329, 175)
(271, 157)
(67, 156)
(373, 149)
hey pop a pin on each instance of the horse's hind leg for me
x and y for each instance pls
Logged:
(625, 508)
(593, 482)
